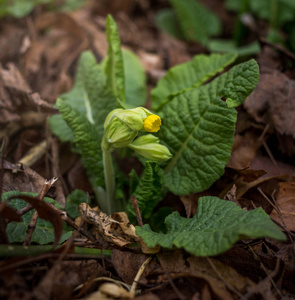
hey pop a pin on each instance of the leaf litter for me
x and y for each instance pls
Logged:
(39, 58)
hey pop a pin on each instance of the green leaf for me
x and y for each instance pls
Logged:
(87, 140)
(239, 82)
(197, 23)
(115, 65)
(223, 46)
(167, 21)
(282, 12)
(69, 5)
(43, 233)
(199, 129)
(135, 79)
(217, 225)
(189, 75)
(59, 127)
(133, 181)
(147, 192)
(73, 201)
(89, 96)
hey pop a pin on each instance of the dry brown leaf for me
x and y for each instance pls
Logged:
(17, 97)
(33, 56)
(21, 178)
(286, 204)
(174, 262)
(95, 34)
(127, 264)
(115, 229)
(272, 102)
(244, 150)
(9, 213)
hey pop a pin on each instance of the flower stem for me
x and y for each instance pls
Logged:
(110, 184)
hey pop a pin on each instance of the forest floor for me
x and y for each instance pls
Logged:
(39, 55)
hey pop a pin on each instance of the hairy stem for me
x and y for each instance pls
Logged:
(110, 184)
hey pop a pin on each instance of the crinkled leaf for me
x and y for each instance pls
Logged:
(147, 192)
(59, 127)
(217, 225)
(199, 129)
(89, 96)
(189, 75)
(44, 231)
(238, 83)
(73, 201)
(87, 141)
(135, 79)
(115, 65)
(133, 181)
(196, 22)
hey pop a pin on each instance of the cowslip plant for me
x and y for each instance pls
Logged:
(121, 127)
(196, 110)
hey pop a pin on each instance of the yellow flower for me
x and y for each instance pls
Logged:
(152, 123)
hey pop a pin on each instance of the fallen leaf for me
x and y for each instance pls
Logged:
(272, 103)
(9, 213)
(17, 96)
(286, 204)
(127, 264)
(201, 268)
(21, 178)
(115, 229)
(244, 150)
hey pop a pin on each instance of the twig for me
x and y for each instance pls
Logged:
(50, 277)
(34, 154)
(19, 263)
(231, 288)
(68, 220)
(269, 277)
(56, 173)
(136, 210)
(3, 234)
(275, 206)
(2, 149)
(270, 154)
(32, 225)
(138, 275)
(175, 289)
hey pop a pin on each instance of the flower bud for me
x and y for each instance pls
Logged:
(149, 147)
(117, 135)
(146, 139)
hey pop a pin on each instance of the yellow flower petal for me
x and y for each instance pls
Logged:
(152, 123)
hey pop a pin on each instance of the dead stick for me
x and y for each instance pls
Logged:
(32, 225)
(56, 173)
(136, 210)
(34, 154)
(68, 220)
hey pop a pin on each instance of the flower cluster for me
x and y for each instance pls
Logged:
(122, 127)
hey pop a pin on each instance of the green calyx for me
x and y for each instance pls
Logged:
(149, 147)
